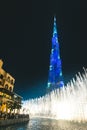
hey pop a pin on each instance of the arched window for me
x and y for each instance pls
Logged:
(10, 89)
(1, 76)
(6, 86)
(8, 79)
(12, 82)
(0, 83)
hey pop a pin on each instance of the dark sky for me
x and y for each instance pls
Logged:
(25, 41)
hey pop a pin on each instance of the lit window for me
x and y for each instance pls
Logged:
(60, 73)
(50, 67)
(49, 84)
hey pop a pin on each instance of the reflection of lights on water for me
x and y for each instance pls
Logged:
(69, 103)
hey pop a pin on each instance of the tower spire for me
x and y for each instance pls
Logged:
(54, 27)
(55, 79)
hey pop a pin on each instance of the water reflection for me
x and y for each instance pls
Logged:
(15, 127)
(47, 124)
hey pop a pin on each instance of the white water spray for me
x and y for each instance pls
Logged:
(69, 103)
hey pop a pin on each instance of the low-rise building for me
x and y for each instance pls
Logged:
(10, 102)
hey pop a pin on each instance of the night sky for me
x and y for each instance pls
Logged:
(25, 41)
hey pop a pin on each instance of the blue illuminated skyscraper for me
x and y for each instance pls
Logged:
(55, 79)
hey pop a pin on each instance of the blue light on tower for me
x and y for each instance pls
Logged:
(55, 79)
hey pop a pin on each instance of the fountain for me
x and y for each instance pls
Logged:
(63, 102)
(67, 103)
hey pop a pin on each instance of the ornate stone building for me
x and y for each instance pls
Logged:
(9, 100)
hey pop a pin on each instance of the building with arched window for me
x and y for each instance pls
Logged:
(9, 100)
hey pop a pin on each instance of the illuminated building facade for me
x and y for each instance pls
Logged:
(9, 101)
(55, 79)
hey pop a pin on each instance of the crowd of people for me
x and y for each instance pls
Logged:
(12, 116)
